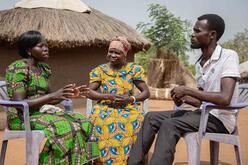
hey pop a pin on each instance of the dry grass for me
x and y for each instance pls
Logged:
(67, 29)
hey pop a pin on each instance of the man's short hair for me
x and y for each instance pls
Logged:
(215, 22)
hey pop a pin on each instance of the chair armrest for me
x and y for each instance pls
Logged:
(243, 86)
(211, 106)
(207, 107)
(146, 106)
(89, 106)
(19, 104)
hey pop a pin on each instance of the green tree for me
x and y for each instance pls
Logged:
(166, 31)
(239, 44)
(143, 57)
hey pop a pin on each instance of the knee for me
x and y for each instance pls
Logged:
(150, 115)
(167, 124)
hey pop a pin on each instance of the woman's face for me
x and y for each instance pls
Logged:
(40, 51)
(115, 53)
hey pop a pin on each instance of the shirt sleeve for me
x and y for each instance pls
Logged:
(231, 66)
(139, 73)
(16, 79)
(95, 75)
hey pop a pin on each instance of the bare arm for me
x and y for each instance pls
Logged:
(192, 101)
(59, 95)
(126, 99)
(188, 100)
(144, 91)
(141, 85)
(95, 95)
(53, 102)
(222, 98)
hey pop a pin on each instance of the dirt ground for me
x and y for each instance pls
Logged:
(16, 148)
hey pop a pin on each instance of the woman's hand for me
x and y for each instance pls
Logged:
(123, 99)
(63, 93)
(81, 91)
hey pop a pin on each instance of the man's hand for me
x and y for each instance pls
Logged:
(178, 92)
(176, 100)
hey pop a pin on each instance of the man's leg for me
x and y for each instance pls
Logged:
(146, 135)
(172, 129)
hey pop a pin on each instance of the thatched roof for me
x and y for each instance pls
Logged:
(244, 67)
(67, 29)
(244, 71)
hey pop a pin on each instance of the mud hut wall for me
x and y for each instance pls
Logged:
(68, 65)
(75, 65)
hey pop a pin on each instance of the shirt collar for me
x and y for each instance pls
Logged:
(216, 54)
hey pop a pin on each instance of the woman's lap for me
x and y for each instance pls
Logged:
(116, 131)
(64, 133)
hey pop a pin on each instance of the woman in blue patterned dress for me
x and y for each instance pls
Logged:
(118, 115)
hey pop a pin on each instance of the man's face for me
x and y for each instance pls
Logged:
(201, 35)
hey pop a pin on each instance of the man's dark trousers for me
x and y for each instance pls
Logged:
(170, 126)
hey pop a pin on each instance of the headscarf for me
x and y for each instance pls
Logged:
(126, 46)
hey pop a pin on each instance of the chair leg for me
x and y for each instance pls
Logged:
(33, 154)
(214, 152)
(3, 151)
(146, 159)
(238, 155)
(193, 148)
(33, 149)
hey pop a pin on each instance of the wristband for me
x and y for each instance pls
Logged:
(134, 99)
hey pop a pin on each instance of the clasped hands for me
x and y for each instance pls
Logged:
(119, 99)
(178, 94)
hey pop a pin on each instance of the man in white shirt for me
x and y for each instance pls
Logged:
(217, 75)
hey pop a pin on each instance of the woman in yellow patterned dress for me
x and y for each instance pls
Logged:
(118, 115)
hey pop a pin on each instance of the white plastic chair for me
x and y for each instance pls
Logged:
(193, 140)
(33, 138)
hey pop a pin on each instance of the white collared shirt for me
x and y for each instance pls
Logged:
(223, 63)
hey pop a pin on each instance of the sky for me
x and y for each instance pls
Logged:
(234, 12)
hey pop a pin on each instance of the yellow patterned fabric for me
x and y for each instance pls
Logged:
(116, 127)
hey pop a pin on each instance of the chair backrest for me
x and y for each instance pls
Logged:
(243, 93)
(4, 96)
(3, 91)
(243, 97)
